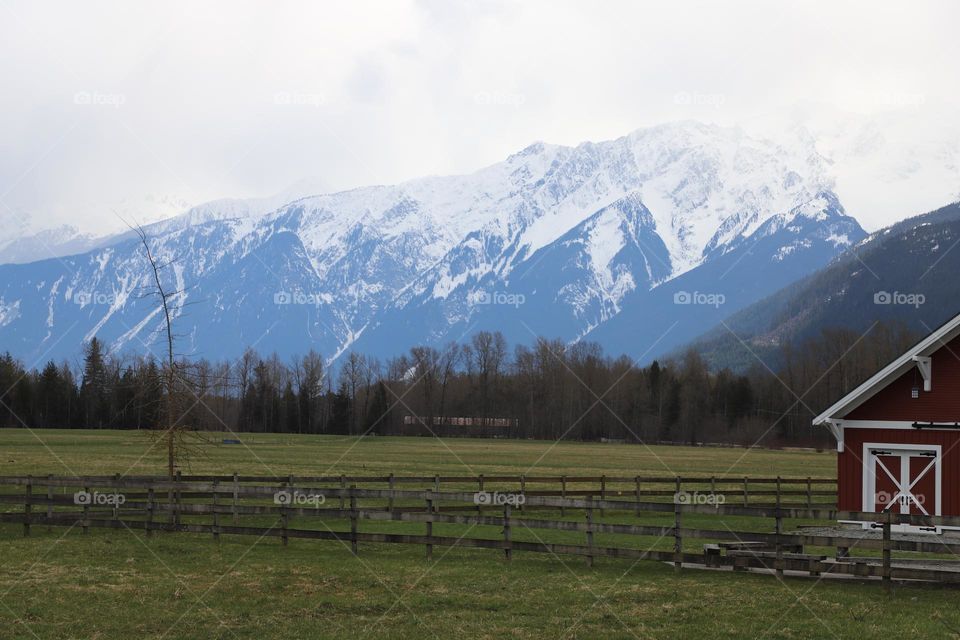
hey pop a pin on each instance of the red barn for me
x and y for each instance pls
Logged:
(898, 432)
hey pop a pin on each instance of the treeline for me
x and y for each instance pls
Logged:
(551, 389)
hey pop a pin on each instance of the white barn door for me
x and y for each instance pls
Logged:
(903, 478)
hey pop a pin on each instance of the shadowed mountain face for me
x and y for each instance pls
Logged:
(639, 243)
(906, 273)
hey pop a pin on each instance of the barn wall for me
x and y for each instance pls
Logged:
(850, 465)
(941, 404)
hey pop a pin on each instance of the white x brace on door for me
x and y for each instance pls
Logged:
(903, 478)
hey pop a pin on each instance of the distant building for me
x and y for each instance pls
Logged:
(460, 422)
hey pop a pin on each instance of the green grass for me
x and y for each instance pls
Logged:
(106, 452)
(59, 583)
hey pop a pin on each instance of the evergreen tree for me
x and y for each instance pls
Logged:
(93, 388)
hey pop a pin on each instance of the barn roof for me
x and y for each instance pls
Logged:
(923, 349)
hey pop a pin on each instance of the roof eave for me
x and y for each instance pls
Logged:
(938, 338)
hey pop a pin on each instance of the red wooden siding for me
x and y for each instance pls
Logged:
(941, 404)
(850, 465)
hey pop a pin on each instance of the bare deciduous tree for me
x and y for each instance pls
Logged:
(173, 432)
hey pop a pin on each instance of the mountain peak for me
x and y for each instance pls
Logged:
(585, 236)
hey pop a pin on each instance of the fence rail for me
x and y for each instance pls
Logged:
(333, 508)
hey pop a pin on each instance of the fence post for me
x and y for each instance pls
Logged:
(479, 490)
(886, 551)
(429, 528)
(436, 489)
(86, 511)
(148, 523)
(563, 495)
(677, 539)
(779, 564)
(177, 497)
(391, 483)
(809, 493)
(507, 543)
(27, 506)
(116, 499)
(639, 495)
(49, 499)
(343, 488)
(713, 488)
(216, 510)
(589, 531)
(284, 517)
(353, 519)
(523, 489)
(746, 492)
(603, 491)
(236, 498)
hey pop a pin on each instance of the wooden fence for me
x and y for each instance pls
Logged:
(688, 520)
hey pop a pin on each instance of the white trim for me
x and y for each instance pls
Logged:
(904, 363)
(905, 425)
(836, 428)
(870, 481)
(926, 370)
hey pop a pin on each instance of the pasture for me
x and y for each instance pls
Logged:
(117, 583)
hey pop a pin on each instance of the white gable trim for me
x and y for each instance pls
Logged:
(903, 425)
(918, 355)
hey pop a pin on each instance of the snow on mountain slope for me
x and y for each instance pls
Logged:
(571, 235)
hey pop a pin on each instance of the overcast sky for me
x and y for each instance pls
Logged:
(123, 104)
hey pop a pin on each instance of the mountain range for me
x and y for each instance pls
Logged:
(641, 244)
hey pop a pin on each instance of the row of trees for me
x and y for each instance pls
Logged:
(553, 390)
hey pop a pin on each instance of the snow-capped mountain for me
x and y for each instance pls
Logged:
(636, 242)
(20, 242)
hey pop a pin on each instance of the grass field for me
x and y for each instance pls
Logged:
(59, 583)
(106, 452)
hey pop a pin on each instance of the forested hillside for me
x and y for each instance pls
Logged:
(906, 273)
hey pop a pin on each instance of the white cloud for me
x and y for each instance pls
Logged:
(125, 104)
